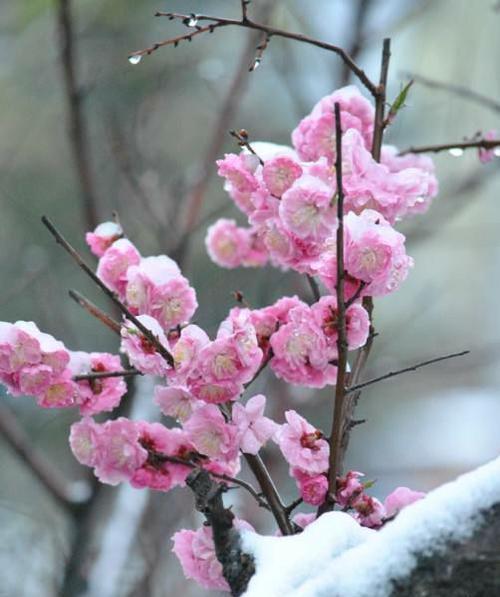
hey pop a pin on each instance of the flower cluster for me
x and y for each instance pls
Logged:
(289, 198)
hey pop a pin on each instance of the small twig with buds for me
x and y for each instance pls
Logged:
(88, 270)
(242, 137)
(477, 143)
(405, 370)
(261, 48)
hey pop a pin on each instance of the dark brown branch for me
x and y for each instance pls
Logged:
(459, 90)
(380, 97)
(375, 380)
(76, 120)
(314, 288)
(270, 31)
(95, 311)
(270, 492)
(83, 265)
(105, 374)
(356, 295)
(478, 143)
(242, 137)
(261, 48)
(338, 411)
(41, 467)
(238, 567)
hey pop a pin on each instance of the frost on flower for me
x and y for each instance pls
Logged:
(103, 237)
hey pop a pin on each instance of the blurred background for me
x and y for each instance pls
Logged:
(83, 132)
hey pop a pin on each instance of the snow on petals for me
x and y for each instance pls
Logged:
(103, 237)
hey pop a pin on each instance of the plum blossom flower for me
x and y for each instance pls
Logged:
(399, 499)
(141, 351)
(156, 287)
(83, 440)
(312, 488)
(348, 488)
(114, 264)
(279, 173)
(176, 402)
(307, 208)
(211, 434)
(103, 237)
(303, 445)
(99, 394)
(195, 551)
(227, 244)
(253, 428)
(368, 511)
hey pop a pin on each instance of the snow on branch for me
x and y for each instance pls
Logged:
(444, 544)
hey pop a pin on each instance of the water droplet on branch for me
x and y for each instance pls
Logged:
(456, 152)
(192, 21)
(134, 59)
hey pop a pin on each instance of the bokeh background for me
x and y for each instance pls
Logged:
(151, 133)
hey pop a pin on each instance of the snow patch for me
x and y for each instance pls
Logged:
(334, 557)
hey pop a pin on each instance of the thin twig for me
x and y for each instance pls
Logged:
(270, 31)
(41, 467)
(76, 120)
(375, 380)
(95, 311)
(380, 97)
(105, 374)
(459, 90)
(261, 48)
(242, 137)
(356, 295)
(83, 265)
(478, 143)
(314, 288)
(335, 435)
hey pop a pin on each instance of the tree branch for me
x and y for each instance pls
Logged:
(77, 126)
(95, 311)
(83, 265)
(238, 567)
(477, 143)
(217, 22)
(41, 467)
(375, 380)
(335, 435)
(105, 374)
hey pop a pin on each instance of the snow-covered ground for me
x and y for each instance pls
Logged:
(334, 557)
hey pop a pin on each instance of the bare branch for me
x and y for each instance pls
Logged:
(375, 380)
(217, 22)
(76, 120)
(41, 467)
(380, 96)
(95, 311)
(336, 432)
(83, 265)
(105, 374)
(459, 90)
(242, 137)
(477, 143)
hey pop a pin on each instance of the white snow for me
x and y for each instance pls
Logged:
(334, 558)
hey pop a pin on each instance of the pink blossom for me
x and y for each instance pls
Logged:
(196, 553)
(301, 352)
(280, 173)
(357, 322)
(103, 237)
(114, 264)
(238, 331)
(307, 209)
(186, 350)
(99, 394)
(155, 472)
(303, 445)
(211, 435)
(155, 287)
(312, 488)
(140, 351)
(33, 380)
(487, 155)
(399, 499)
(213, 391)
(119, 452)
(253, 428)
(83, 440)
(238, 170)
(368, 511)
(348, 488)
(176, 402)
(303, 519)
(227, 244)
(314, 137)
(61, 393)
